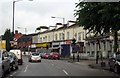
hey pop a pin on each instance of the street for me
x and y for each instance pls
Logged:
(57, 68)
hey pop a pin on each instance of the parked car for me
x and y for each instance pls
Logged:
(114, 63)
(13, 61)
(54, 55)
(46, 55)
(42, 55)
(4, 62)
(35, 57)
(18, 53)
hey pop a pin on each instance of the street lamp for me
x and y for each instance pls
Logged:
(13, 23)
(23, 28)
(60, 18)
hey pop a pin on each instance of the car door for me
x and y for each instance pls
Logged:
(6, 61)
(15, 59)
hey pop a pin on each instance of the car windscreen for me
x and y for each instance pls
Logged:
(35, 54)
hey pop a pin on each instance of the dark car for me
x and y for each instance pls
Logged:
(13, 61)
(4, 62)
(114, 63)
(54, 55)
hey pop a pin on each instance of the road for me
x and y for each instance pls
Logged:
(57, 68)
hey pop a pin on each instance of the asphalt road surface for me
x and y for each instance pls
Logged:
(57, 68)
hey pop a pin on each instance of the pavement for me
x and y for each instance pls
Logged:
(90, 63)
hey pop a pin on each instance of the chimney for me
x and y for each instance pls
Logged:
(16, 31)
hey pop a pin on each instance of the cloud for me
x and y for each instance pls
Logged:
(32, 14)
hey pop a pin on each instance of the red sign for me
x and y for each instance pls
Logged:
(68, 42)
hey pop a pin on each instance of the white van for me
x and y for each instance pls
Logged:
(18, 53)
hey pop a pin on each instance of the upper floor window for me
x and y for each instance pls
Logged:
(83, 35)
(55, 36)
(63, 36)
(75, 35)
(45, 38)
(68, 35)
(79, 36)
(48, 37)
(40, 39)
(60, 36)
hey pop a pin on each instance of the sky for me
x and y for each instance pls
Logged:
(32, 14)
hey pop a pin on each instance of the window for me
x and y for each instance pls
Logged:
(63, 36)
(40, 39)
(48, 37)
(79, 36)
(75, 35)
(68, 35)
(55, 36)
(83, 35)
(60, 36)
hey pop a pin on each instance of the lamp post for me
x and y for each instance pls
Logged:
(13, 23)
(23, 28)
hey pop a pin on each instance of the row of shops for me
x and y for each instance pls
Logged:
(65, 48)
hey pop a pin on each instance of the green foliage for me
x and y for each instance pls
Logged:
(98, 17)
(8, 38)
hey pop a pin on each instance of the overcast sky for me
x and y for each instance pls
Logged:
(32, 14)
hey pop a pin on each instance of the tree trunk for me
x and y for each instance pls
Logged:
(115, 41)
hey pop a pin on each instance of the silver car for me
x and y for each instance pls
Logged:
(35, 57)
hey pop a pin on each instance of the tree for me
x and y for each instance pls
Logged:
(99, 17)
(8, 38)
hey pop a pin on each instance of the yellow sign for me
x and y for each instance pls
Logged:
(41, 45)
(2, 44)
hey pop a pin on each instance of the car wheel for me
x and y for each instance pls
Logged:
(110, 69)
(116, 69)
(3, 73)
(9, 70)
(29, 60)
(40, 61)
(16, 68)
(13, 67)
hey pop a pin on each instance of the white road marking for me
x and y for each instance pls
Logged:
(65, 72)
(26, 68)
(13, 74)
